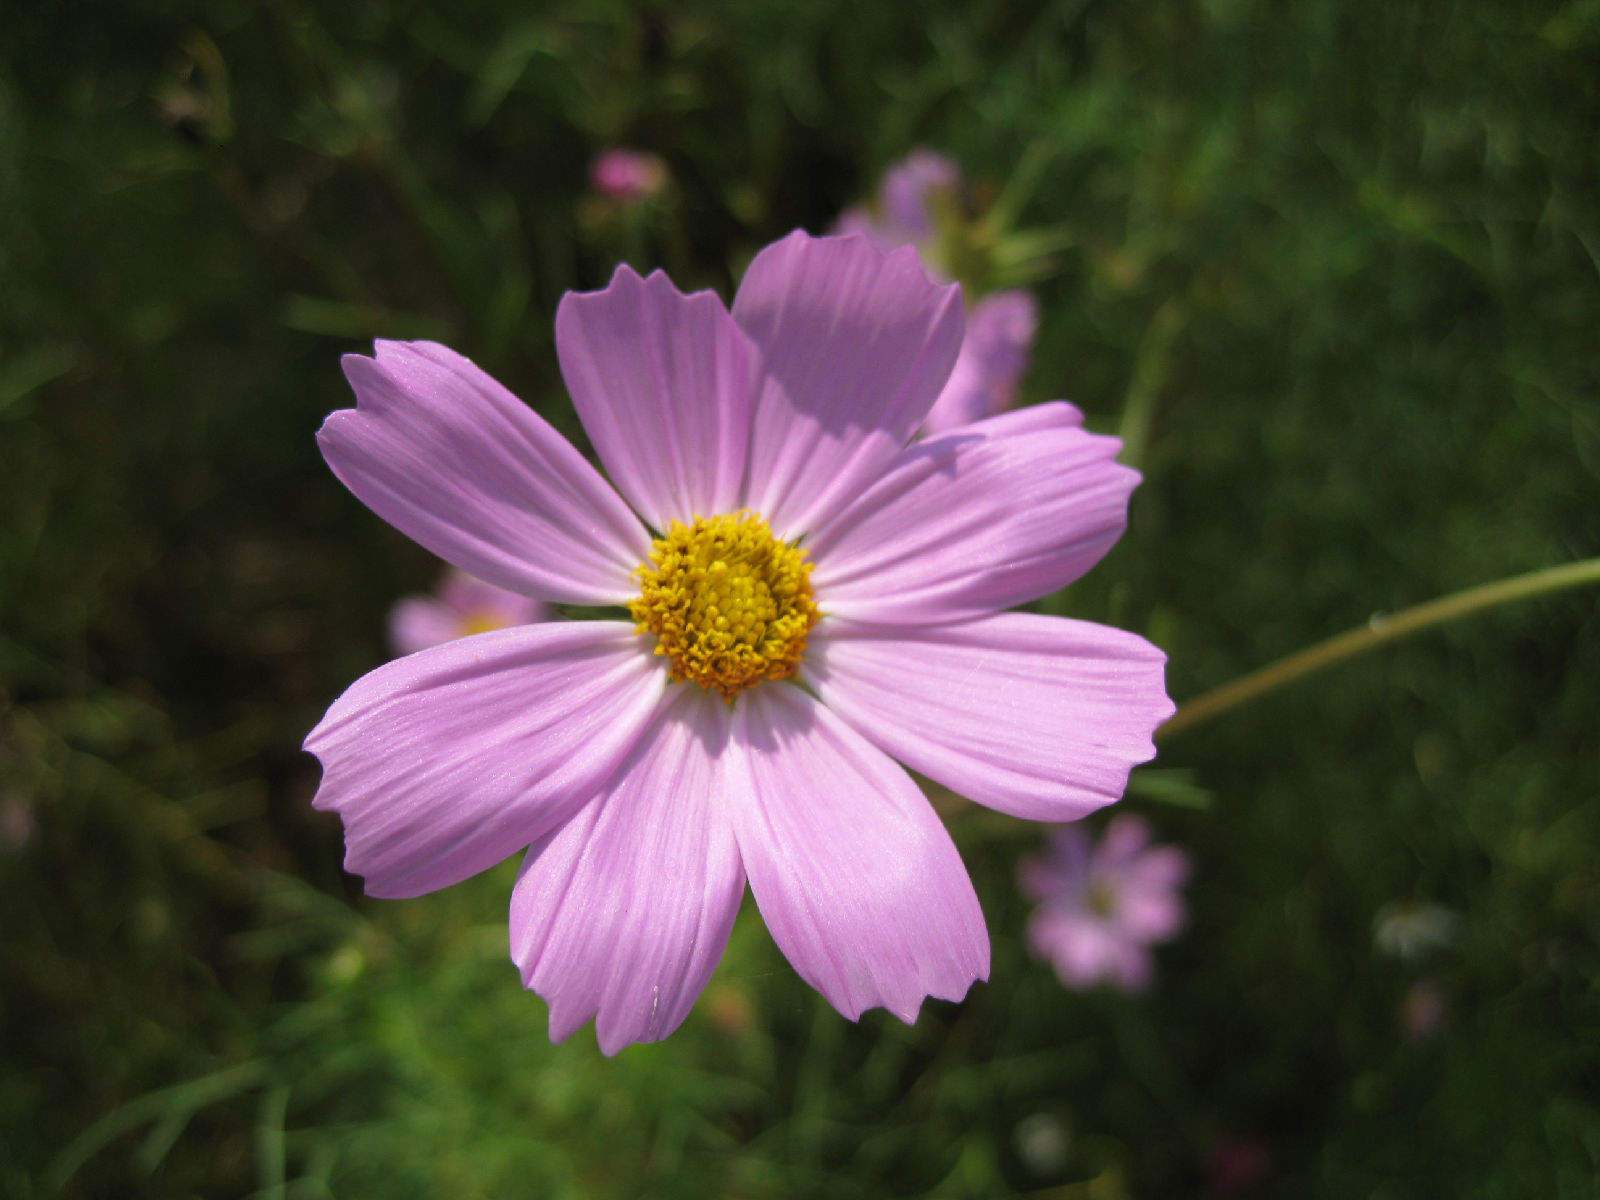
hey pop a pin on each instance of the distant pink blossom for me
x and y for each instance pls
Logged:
(1101, 906)
(1422, 1010)
(1237, 1167)
(994, 354)
(910, 195)
(914, 197)
(460, 606)
(813, 595)
(17, 821)
(628, 175)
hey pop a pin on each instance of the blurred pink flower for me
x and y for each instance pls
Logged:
(810, 595)
(460, 606)
(1101, 906)
(1422, 1010)
(917, 197)
(628, 176)
(994, 354)
(1237, 1167)
(910, 197)
(17, 821)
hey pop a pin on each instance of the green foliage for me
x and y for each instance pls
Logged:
(1334, 269)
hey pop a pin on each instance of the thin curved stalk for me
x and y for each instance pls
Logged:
(1379, 630)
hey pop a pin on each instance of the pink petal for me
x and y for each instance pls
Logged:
(1059, 875)
(857, 343)
(628, 176)
(1085, 951)
(445, 762)
(622, 914)
(460, 605)
(417, 623)
(858, 220)
(1132, 967)
(663, 383)
(909, 190)
(859, 883)
(994, 354)
(458, 464)
(1150, 906)
(1125, 838)
(982, 518)
(1040, 717)
(473, 599)
(1148, 916)
(1160, 867)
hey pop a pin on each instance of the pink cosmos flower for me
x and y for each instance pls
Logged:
(1422, 1010)
(994, 354)
(810, 593)
(916, 196)
(1237, 1167)
(628, 175)
(460, 607)
(909, 197)
(17, 821)
(1101, 906)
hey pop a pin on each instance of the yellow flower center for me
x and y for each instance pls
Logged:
(1102, 899)
(481, 621)
(730, 604)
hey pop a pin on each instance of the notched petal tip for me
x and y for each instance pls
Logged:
(625, 278)
(910, 1011)
(389, 352)
(445, 762)
(377, 379)
(663, 383)
(858, 881)
(436, 352)
(978, 519)
(1039, 717)
(623, 275)
(857, 344)
(799, 245)
(898, 259)
(355, 361)
(621, 915)
(362, 373)
(624, 281)
(451, 458)
(655, 289)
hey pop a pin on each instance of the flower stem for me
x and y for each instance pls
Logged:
(1150, 370)
(1379, 630)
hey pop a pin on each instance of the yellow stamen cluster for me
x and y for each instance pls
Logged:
(481, 622)
(1102, 899)
(729, 603)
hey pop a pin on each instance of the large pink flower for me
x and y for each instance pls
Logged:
(810, 594)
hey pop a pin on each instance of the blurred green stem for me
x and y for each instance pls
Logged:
(1149, 376)
(1018, 189)
(170, 1107)
(1379, 630)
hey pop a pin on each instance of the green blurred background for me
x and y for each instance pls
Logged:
(1336, 268)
